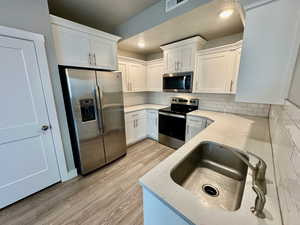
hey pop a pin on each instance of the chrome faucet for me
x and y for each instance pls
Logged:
(258, 181)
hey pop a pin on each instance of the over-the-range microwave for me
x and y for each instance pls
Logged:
(178, 82)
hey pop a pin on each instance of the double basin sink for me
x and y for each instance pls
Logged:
(214, 174)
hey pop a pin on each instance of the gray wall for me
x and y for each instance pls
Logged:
(131, 54)
(154, 56)
(33, 15)
(153, 16)
(294, 95)
(223, 41)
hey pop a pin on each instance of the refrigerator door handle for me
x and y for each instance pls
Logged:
(99, 109)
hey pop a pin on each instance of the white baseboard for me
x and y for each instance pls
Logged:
(70, 175)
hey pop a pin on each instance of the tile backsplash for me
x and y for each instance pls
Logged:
(285, 134)
(135, 98)
(214, 102)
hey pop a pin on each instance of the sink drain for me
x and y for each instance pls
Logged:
(210, 190)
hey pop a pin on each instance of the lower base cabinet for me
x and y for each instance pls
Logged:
(136, 126)
(194, 125)
(152, 124)
(157, 212)
(141, 124)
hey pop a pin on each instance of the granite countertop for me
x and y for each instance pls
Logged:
(241, 132)
(142, 107)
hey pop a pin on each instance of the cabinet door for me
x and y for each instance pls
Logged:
(214, 72)
(104, 53)
(137, 77)
(187, 59)
(172, 60)
(71, 47)
(141, 129)
(237, 57)
(123, 70)
(154, 77)
(130, 131)
(152, 124)
(193, 127)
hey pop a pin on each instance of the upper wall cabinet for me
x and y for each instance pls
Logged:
(180, 56)
(81, 46)
(155, 70)
(217, 69)
(133, 74)
(271, 41)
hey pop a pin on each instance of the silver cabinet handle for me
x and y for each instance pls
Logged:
(45, 127)
(231, 84)
(90, 58)
(131, 86)
(95, 59)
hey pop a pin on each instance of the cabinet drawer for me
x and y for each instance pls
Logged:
(135, 115)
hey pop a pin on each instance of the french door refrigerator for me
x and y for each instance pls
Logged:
(95, 113)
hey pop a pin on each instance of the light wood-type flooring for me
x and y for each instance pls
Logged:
(109, 196)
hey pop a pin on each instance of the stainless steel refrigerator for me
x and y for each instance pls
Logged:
(95, 112)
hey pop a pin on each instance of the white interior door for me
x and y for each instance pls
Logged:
(27, 156)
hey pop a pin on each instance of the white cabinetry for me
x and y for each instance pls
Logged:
(271, 43)
(81, 46)
(217, 69)
(104, 52)
(194, 125)
(141, 124)
(134, 74)
(136, 126)
(180, 56)
(152, 124)
(66, 52)
(154, 75)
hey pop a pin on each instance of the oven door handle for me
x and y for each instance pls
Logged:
(173, 115)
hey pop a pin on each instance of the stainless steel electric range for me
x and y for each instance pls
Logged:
(172, 121)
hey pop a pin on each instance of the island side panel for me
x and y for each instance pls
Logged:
(156, 212)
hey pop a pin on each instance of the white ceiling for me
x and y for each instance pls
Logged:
(203, 21)
(101, 14)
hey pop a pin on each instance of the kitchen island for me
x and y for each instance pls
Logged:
(167, 203)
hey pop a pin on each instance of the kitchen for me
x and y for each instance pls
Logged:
(150, 122)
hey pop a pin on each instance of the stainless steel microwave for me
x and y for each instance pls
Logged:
(178, 82)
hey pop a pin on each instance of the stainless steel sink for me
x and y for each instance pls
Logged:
(214, 174)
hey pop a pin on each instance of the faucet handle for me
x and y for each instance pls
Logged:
(260, 173)
(260, 202)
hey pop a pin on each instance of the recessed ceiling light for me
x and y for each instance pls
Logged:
(141, 44)
(226, 13)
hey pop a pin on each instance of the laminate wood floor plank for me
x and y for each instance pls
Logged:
(109, 196)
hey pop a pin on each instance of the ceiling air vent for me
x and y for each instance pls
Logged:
(172, 4)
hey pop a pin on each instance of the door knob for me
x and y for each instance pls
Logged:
(45, 127)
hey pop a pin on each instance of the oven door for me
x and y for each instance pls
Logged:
(178, 82)
(172, 129)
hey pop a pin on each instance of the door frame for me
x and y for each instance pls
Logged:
(39, 43)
